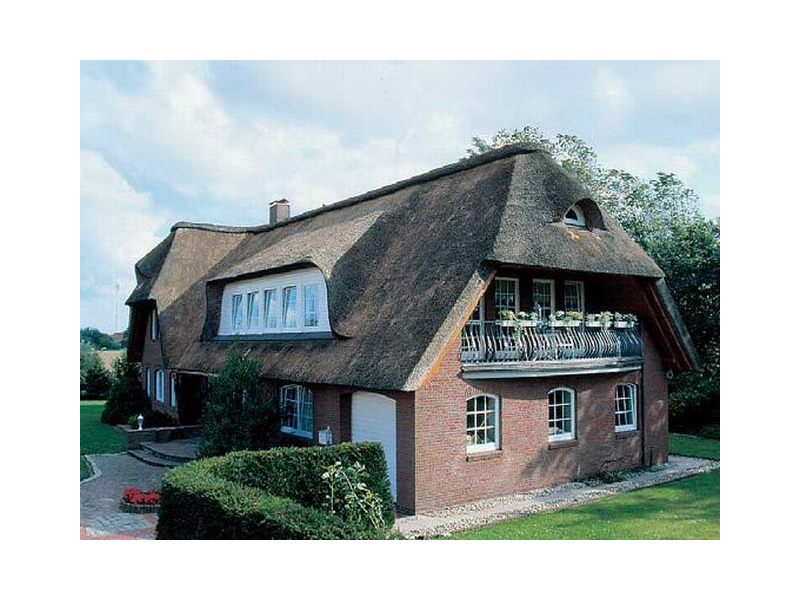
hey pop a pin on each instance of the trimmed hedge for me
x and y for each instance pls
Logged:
(271, 494)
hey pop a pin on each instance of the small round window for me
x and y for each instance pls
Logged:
(575, 216)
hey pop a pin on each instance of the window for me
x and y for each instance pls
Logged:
(160, 386)
(483, 431)
(148, 383)
(505, 296)
(252, 310)
(311, 305)
(544, 297)
(271, 309)
(236, 312)
(478, 312)
(561, 414)
(290, 307)
(575, 216)
(173, 392)
(293, 302)
(625, 407)
(153, 324)
(297, 410)
(573, 295)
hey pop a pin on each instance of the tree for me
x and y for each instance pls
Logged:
(126, 398)
(89, 359)
(241, 412)
(98, 340)
(662, 215)
(97, 381)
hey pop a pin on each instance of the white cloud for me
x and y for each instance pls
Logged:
(611, 90)
(118, 226)
(645, 160)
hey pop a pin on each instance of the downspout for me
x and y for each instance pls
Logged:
(642, 405)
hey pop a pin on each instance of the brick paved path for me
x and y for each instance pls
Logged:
(100, 514)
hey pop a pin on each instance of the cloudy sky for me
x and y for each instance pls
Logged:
(215, 142)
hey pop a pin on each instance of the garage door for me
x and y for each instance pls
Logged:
(373, 419)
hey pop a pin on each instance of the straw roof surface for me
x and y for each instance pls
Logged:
(403, 265)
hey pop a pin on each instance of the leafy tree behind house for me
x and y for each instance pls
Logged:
(126, 398)
(98, 340)
(662, 215)
(241, 412)
(97, 382)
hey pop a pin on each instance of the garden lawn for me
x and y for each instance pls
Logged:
(684, 509)
(97, 437)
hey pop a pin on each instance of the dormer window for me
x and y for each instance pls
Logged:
(575, 216)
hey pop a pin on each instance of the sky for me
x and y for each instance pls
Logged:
(215, 142)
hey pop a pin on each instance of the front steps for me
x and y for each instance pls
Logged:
(166, 454)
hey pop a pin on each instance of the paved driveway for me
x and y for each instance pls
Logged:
(100, 514)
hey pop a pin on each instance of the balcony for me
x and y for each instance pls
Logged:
(495, 349)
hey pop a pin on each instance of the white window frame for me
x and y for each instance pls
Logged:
(160, 386)
(252, 305)
(580, 221)
(317, 295)
(153, 324)
(284, 308)
(148, 383)
(581, 296)
(497, 310)
(552, 307)
(173, 393)
(305, 398)
(240, 327)
(486, 446)
(632, 426)
(276, 296)
(564, 436)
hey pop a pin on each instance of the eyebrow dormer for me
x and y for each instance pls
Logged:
(585, 214)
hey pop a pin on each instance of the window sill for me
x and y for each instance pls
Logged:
(626, 434)
(485, 455)
(562, 444)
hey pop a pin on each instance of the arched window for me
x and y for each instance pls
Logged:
(297, 411)
(483, 423)
(625, 407)
(561, 414)
(575, 217)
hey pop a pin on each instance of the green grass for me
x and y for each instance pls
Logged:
(97, 437)
(679, 510)
(85, 469)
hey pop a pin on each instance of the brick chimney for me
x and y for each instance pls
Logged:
(279, 210)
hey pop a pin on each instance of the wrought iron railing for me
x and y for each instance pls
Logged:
(492, 342)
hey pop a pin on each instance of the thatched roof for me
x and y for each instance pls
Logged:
(402, 264)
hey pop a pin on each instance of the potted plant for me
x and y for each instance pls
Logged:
(526, 319)
(593, 320)
(506, 318)
(621, 321)
(557, 319)
(631, 319)
(573, 318)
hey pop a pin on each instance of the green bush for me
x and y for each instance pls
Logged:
(241, 412)
(97, 382)
(126, 398)
(272, 494)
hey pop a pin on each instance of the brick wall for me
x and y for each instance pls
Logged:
(445, 474)
(153, 358)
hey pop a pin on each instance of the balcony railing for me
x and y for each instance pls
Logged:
(492, 345)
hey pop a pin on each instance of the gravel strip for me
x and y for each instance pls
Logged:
(468, 516)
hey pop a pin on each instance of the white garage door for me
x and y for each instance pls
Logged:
(373, 420)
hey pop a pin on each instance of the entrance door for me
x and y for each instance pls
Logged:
(373, 420)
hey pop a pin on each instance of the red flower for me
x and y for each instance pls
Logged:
(133, 495)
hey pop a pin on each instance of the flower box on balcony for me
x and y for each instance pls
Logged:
(528, 323)
(506, 323)
(623, 324)
(594, 324)
(572, 323)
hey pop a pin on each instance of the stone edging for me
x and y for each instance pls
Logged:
(138, 509)
(96, 472)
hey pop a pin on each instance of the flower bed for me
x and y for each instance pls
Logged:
(137, 501)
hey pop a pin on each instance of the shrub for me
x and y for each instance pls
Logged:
(241, 412)
(272, 494)
(126, 398)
